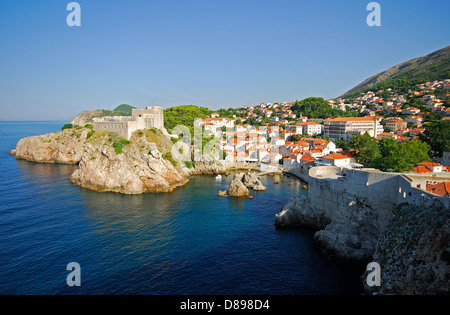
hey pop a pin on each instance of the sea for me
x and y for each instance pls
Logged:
(188, 242)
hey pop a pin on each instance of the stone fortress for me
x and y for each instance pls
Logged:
(124, 126)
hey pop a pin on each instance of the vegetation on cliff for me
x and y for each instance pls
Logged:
(184, 116)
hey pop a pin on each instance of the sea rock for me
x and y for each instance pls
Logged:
(138, 169)
(222, 193)
(242, 182)
(251, 181)
(237, 187)
(65, 147)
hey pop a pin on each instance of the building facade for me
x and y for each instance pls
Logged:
(124, 126)
(345, 128)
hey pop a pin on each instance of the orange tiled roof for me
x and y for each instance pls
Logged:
(337, 156)
(421, 169)
(441, 189)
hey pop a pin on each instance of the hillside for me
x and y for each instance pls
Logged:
(435, 66)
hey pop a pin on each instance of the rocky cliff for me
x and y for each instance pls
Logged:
(137, 168)
(64, 147)
(348, 233)
(85, 117)
(366, 216)
(414, 252)
(107, 163)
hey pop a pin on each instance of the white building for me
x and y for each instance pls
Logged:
(338, 159)
(345, 128)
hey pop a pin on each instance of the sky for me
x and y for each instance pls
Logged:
(211, 53)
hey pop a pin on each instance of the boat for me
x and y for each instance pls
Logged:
(218, 177)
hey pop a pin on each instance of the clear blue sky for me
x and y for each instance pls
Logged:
(221, 53)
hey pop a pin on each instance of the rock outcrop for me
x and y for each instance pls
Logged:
(298, 212)
(410, 240)
(65, 147)
(139, 168)
(237, 187)
(203, 168)
(348, 233)
(85, 117)
(251, 181)
(414, 252)
(242, 182)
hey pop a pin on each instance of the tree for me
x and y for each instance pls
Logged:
(67, 126)
(184, 116)
(437, 135)
(317, 107)
(366, 148)
(400, 157)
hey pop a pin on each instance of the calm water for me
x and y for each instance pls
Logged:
(186, 242)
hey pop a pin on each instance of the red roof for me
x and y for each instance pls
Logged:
(337, 156)
(441, 189)
(421, 169)
(307, 158)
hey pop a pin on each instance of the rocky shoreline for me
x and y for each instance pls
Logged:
(108, 164)
(413, 250)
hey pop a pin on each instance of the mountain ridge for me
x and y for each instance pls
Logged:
(434, 66)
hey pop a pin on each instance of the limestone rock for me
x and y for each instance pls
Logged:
(85, 117)
(203, 168)
(242, 183)
(414, 252)
(251, 181)
(237, 187)
(65, 147)
(298, 212)
(138, 169)
(222, 193)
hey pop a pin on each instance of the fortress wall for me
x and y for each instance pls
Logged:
(410, 194)
(378, 190)
(121, 128)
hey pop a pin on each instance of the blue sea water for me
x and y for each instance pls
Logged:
(188, 242)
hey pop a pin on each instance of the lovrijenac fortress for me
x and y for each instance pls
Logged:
(124, 126)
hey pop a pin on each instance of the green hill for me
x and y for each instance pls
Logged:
(121, 110)
(435, 66)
